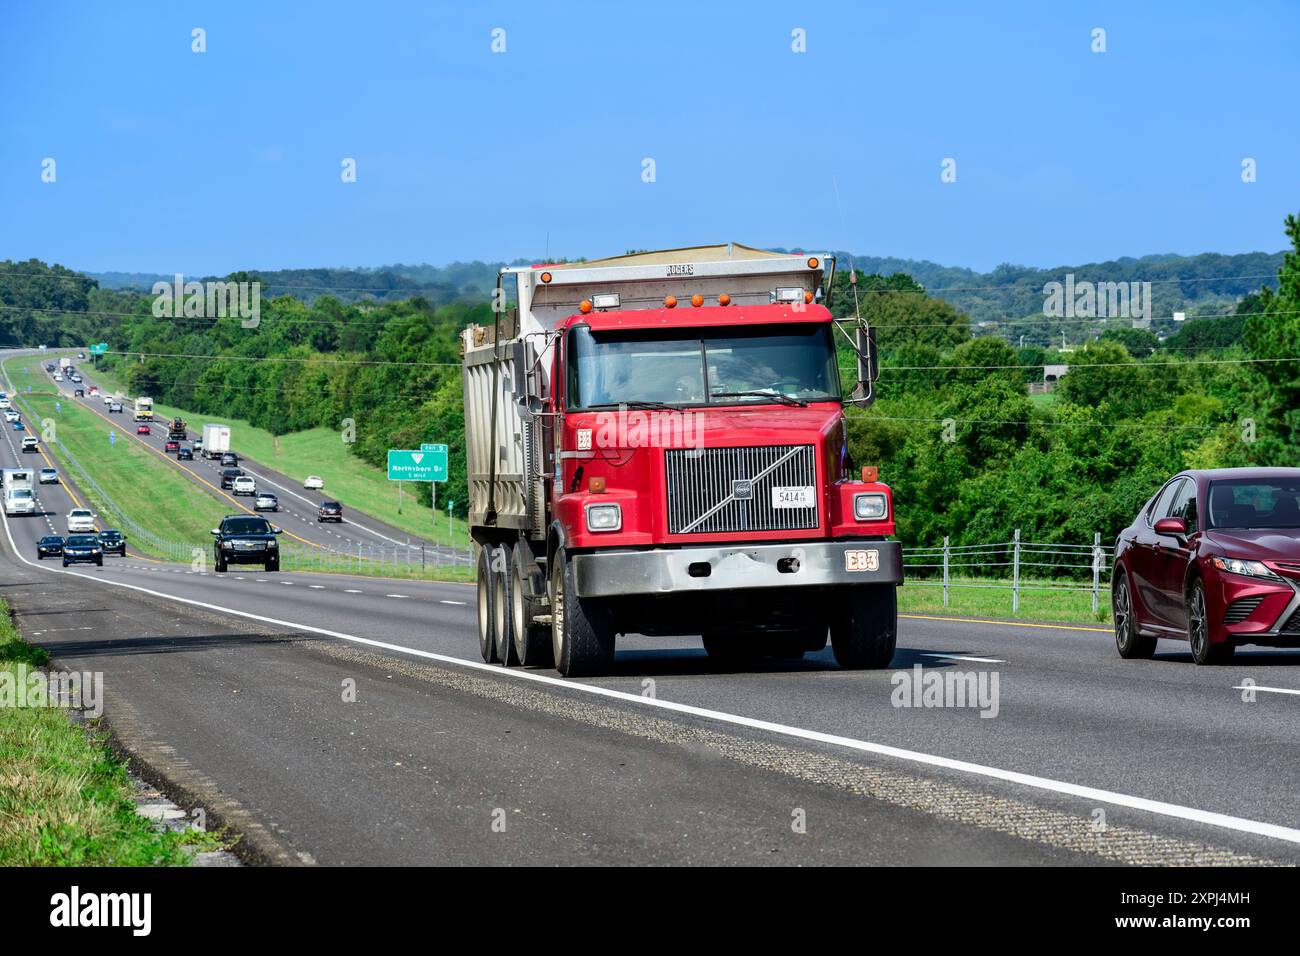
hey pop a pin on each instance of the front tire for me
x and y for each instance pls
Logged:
(865, 632)
(582, 633)
(218, 564)
(487, 645)
(1130, 644)
(1198, 631)
(273, 565)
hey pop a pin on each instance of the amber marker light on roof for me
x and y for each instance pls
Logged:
(724, 299)
(670, 302)
(584, 306)
(697, 300)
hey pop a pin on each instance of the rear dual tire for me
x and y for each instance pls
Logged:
(510, 588)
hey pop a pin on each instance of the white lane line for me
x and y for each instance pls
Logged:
(1270, 690)
(453, 602)
(353, 591)
(397, 595)
(1158, 807)
(289, 583)
(962, 657)
(317, 587)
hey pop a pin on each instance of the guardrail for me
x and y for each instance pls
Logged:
(1052, 566)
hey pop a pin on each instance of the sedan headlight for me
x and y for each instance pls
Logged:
(604, 517)
(1252, 569)
(870, 507)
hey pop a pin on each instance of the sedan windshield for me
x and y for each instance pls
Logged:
(1255, 503)
(702, 367)
(82, 541)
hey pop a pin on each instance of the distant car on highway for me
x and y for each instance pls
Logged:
(184, 454)
(19, 426)
(266, 501)
(113, 541)
(82, 549)
(79, 393)
(108, 399)
(1212, 559)
(58, 377)
(11, 415)
(314, 483)
(142, 429)
(228, 478)
(330, 511)
(50, 546)
(229, 459)
(29, 443)
(172, 446)
(81, 519)
(115, 408)
(48, 476)
(49, 366)
(246, 539)
(244, 485)
(197, 445)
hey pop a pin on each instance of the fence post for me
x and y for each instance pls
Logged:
(1096, 568)
(945, 570)
(1015, 573)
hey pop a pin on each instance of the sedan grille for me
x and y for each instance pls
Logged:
(713, 490)
(1292, 625)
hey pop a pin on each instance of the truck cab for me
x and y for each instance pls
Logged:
(671, 458)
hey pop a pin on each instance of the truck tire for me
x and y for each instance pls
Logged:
(487, 645)
(582, 634)
(865, 630)
(218, 564)
(273, 565)
(502, 619)
(525, 584)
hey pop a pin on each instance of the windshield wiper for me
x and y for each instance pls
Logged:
(759, 393)
(634, 403)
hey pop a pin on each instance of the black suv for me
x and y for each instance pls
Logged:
(113, 541)
(245, 539)
(330, 511)
(228, 478)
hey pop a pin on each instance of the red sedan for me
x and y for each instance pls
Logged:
(142, 429)
(1212, 559)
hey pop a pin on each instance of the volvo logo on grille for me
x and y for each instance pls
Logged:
(742, 489)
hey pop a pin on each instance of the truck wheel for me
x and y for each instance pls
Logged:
(219, 565)
(487, 645)
(865, 631)
(502, 619)
(273, 565)
(525, 584)
(582, 634)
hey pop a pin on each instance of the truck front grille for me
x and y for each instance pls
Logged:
(713, 490)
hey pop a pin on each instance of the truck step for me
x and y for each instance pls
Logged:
(545, 619)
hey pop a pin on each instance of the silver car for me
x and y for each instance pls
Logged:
(266, 502)
(48, 476)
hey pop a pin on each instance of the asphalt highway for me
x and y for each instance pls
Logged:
(229, 686)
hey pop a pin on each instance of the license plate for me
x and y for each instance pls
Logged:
(861, 559)
(791, 496)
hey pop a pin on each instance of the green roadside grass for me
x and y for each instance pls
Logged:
(65, 798)
(992, 600)
(320, 451)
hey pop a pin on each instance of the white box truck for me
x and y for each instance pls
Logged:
(144, 409)
(65, 363)
(19, 491)
(216, 440)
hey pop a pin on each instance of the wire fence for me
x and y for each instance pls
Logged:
(1025, 566)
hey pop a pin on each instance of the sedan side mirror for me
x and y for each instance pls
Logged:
(1171, 526)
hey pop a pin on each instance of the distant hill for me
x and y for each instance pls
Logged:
(1008, 301)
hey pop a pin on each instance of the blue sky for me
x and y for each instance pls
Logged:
(169, 160)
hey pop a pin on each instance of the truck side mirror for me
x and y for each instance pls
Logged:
(863, 393)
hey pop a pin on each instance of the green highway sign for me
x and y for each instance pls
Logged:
(99, 349)
(427, 464)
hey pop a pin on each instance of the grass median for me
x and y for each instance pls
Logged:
(320, 451)
(65, 798)
(150, 489)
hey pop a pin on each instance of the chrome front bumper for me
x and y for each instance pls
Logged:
(734, 567)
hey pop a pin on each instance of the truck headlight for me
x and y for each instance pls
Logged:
(870, 507)
(604, 517)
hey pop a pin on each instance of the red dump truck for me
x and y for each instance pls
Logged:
(656, 445)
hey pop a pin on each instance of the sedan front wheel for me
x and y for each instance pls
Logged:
(1198, 631)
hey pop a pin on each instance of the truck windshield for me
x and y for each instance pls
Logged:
(744, 366)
